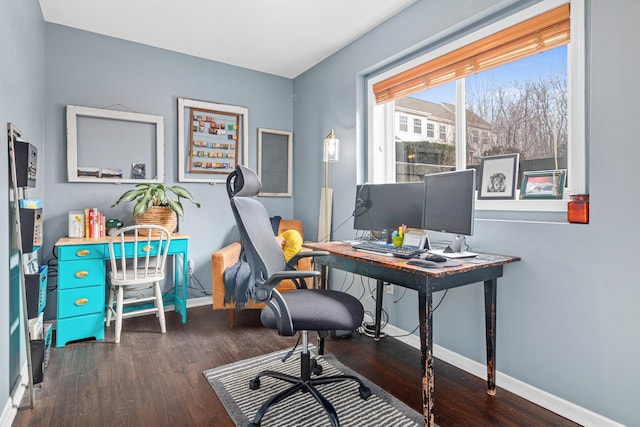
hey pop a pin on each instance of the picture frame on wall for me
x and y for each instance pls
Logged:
(212, 140)
(498, 176)
(275, 162)
(543, 184)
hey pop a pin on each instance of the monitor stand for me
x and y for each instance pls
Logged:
(454, 250)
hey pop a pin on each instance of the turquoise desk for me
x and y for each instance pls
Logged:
(82, 285)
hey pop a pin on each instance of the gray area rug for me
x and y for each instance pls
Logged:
(231, 383)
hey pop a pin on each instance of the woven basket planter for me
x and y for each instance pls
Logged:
(159, 215)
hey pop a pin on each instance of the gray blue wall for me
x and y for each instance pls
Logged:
(22, 57)
(567, 317)
(567, 314)
(91, 70)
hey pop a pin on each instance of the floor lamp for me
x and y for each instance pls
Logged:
(330, 154)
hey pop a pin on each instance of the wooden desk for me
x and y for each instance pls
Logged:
(82, 285)
(483, 268)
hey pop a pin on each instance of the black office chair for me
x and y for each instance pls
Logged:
(300, 310)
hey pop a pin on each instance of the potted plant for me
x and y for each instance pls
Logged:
(156, 205)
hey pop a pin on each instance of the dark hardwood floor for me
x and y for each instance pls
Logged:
(155, 379)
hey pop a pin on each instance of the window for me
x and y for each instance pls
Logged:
(417, 126)
(430, 130)
(402, 124)
(442, 133)
(512, 102)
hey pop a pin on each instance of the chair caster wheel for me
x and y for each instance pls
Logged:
(254, 385)
(365, 393)
(316, 369)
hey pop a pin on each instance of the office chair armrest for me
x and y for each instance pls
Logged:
(265, 290)
(305, 254)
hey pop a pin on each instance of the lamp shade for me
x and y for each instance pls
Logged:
(331, 151)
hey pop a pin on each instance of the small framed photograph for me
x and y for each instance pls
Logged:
(543, 184)
(498, 177)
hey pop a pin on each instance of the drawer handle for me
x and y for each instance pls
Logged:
(81, 274)
(148, 248)
(82, 252)
(81, 301)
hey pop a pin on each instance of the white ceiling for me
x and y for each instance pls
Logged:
(281, 37)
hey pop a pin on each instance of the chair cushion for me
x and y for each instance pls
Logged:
(318, 310)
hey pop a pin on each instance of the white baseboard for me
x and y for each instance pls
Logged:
(198, 302)
(13, 402)
(533, 394)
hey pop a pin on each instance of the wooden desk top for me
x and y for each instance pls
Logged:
(84, 241)
(482, 260)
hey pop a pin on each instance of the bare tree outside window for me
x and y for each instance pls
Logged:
(520, 107)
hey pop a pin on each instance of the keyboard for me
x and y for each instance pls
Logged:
(385, 249)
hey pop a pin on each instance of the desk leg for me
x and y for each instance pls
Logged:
(379, 296)
(426, 353)
(490, 289)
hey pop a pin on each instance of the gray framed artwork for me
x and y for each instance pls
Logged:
(275, 162)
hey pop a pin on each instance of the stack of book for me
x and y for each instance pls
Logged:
(94, 223)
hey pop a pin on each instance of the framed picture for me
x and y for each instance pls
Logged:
(212, 140)
(275, 162)
(498, 177)
(543, 184)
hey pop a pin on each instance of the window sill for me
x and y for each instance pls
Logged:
(527, 205)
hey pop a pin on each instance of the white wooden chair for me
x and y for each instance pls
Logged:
(142, 267)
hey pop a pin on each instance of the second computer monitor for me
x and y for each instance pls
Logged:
(388, 206)
(449, 199)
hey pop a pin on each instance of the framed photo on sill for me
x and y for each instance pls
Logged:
(498, 177)
(543, 184)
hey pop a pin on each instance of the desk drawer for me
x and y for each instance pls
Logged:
(81, 327)
(78, 252)
(76, 274)
(77, 302)
(178, 246)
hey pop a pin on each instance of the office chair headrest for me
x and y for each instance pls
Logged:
(243, 182)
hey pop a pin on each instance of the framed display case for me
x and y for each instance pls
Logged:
(212, 140)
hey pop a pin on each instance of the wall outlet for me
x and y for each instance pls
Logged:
(388, 288)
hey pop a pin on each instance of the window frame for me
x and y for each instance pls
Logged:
(400, 123)
(576, 110)
(417, 126)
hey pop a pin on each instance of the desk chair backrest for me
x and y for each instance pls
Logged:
(144, 256)
(256, 234)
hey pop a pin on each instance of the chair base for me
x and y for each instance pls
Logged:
(305, 383)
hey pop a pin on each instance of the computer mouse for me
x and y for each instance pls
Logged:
(423, 263)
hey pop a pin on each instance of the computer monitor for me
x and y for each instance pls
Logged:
(387, 206)
(449, 200)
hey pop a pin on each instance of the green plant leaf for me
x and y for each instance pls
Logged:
(183, 192)
(129, 196)
(139, 208)
(176, 207)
